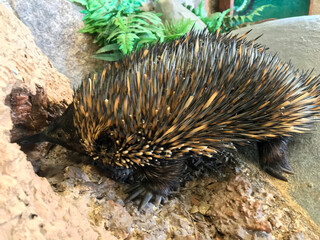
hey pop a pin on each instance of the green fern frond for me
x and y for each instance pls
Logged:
(241, 19)
(119, 26)
(126, 42)
(135, 27)
(222, 20)
(173, 30)
(110, 57)
(215, 21)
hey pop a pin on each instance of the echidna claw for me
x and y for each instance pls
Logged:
(135, 194)
(157, 201)
(275, 173)
(145, 200)
(277, 167)
(132, 188)
(287, 169)
(137, 190)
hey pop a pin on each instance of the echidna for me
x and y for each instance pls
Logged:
(194, 96)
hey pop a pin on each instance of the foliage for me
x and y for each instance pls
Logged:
(216, 20)
(173, 30)
(198, 11)
(236, 20)
(223, 19)
(119, 26)
(242, 7)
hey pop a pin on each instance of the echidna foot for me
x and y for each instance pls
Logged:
(276, 171)
(157, 180)
(147, 195)
(273, 158)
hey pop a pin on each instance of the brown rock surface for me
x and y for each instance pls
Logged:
(55, 26)
(29, 209)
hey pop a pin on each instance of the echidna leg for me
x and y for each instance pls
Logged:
(273, 157)
(158, 179)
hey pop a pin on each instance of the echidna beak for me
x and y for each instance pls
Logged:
(61, 131)
(39, 137)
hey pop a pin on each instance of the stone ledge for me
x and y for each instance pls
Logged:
(29, 208)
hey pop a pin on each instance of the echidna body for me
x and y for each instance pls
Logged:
(194, 96)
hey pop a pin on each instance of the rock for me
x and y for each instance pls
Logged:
(239, 212)
(298, 39)
(29, 209)
(28, 73)
(55, 26)
(7, 4)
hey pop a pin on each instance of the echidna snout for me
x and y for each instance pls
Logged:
(60, 131)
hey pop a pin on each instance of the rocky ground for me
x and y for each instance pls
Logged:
(231, 200)
(57, 194)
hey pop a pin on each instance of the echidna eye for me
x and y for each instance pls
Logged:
(104, 144)
(59, 134)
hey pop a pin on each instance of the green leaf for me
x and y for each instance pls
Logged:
(108, 48)
(173, 30)
(120, 22)
(147, 40)
(151, 17)
(240, 19)
(119, 26)
(126, 42)
(215, 21)
(250, 18)
(198, 11)
(81, 2)
(109, 57)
